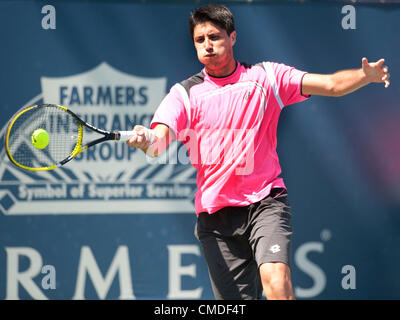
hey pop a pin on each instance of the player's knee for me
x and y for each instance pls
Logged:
(275, 288)
(276, 281)
(272, 281)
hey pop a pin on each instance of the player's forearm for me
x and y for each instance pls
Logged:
(347, 81)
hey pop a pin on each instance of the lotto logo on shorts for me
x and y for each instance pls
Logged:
(275, 248)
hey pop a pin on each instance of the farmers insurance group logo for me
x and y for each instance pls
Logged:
(110, 177)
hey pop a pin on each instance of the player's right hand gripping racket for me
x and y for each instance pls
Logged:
(47, 136)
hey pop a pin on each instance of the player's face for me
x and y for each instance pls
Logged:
(214, 47)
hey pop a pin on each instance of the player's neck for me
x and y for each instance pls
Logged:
(222, 71)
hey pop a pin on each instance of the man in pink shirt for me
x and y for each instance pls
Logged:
(227, 117)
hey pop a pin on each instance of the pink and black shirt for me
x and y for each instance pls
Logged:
(229, 127)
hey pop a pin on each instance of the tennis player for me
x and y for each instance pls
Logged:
(227, 117)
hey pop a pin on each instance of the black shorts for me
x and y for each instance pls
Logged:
(237, 240)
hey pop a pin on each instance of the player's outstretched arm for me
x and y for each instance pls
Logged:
(153, 142)
(346, 81)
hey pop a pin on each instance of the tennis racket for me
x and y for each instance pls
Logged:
(64, 133)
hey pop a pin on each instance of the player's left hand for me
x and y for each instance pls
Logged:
(376, 71)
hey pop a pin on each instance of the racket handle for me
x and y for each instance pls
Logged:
(126, 135)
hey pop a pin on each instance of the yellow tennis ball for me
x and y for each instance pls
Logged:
(40, 138)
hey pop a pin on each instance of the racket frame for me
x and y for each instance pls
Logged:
(107, 136)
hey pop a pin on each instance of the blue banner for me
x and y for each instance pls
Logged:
(113, 224)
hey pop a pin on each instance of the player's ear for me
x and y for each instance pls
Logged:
(232, 36)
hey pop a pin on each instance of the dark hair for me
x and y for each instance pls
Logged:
(219, 15)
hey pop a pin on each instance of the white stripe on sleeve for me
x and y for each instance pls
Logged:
(186, 101)
(271, 77)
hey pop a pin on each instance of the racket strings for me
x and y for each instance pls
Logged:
(62, 128)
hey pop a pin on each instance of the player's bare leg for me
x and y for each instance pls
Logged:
(276, 282)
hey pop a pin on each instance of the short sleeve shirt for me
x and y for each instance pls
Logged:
(229, 127)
